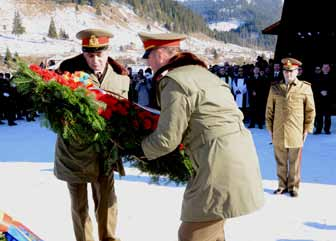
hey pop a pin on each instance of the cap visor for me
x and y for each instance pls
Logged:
(146, 54)
(94, 49)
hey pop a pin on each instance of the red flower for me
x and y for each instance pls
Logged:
(108, 99)
(135, 124)
(142, 115)
(122, 110)
(35, 68)
(181, 147)
(98, 94)
(107, 113)
(155, 119)
(147, 124)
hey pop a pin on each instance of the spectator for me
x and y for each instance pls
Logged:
(323, 89)
(289, 117)
(143, 87)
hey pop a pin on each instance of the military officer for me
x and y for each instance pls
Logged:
(290, 114)
(78, 165)
(198, 110)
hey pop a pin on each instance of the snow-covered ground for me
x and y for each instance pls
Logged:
(30, 193)
(225, 25)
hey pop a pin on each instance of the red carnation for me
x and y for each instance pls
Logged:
(122, 110)
(147, 124)
(135, 124)
(35, 68)
(107, 113)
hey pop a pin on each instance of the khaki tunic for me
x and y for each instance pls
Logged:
(76, 163)
(290, 112)
(198, 110)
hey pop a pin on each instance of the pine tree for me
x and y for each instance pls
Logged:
(52, 32)
(16, 56)
(98, 10)
(8, 56)
(62, 34)
(215, 54)
(18, 28)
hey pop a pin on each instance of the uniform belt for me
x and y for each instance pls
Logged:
(210, 134)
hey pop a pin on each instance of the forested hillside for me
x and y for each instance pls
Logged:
(254, 15)
(186, 17)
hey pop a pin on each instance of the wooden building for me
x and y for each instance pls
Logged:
(306, 31)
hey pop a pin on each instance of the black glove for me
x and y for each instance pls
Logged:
(138, 152)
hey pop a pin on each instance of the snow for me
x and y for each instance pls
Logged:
(119, 19)
(31, 193)
(225, 25)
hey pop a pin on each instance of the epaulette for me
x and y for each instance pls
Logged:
(306, 82)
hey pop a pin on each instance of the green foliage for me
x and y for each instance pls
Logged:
(52, 32)
(255, 16)
(8, 56)
(175, 16)
(179, 169)
(93, 3)
(18, 28)
(63, 35)
(194, 16)
(98, 10)
(2, 237)
(77, 111)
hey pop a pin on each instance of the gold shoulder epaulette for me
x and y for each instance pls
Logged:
(306, 82)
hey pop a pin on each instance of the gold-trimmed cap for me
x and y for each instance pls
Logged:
(290, 63)
(94, 40)
(155, 40)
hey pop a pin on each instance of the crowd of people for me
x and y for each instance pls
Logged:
(249, 85)
(13, 105)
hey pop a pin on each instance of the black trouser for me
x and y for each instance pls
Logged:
(319, 122)
(9, 110)
(323, 111)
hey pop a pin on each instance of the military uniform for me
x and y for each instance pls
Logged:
(198, 110)
(80, 164)
(290, 113)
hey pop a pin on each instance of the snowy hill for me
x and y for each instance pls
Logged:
(119, 19)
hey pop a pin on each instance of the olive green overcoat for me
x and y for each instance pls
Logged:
(81, 163)
(198, 110)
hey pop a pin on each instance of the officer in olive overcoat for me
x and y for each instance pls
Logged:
(290, 115)
(198, 110)
(79, 165)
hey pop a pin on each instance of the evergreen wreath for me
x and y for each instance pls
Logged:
(77, 111)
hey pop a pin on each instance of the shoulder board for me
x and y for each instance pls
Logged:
(306, 82)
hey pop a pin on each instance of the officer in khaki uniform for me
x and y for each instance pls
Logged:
(79, 165)
(198, 110)
(290, 114)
